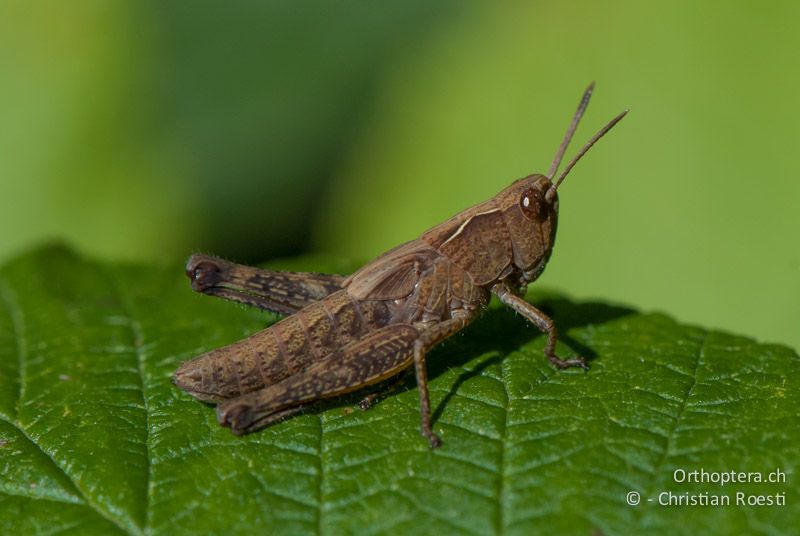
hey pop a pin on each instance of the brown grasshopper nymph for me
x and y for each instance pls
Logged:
(343, 334)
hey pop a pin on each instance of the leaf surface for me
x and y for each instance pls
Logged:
(95, 439)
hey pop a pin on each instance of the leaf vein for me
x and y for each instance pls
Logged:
(675, 425)
(84, 496)
(138, 350)
(18, 325)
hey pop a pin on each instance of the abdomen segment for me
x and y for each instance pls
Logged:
(284, 349)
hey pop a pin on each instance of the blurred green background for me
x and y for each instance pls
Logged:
(146, 130)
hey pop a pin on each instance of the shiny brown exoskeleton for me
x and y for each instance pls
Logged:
(343, 334)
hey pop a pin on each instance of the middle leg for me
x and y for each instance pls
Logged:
(427, 340)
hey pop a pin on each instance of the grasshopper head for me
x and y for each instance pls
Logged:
(531, 217)
(530, 205)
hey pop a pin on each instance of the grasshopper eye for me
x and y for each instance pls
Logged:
(532, 204)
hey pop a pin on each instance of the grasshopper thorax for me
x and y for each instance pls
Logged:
(511, 233)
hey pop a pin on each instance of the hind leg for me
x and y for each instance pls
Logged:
(370, 360)
(281, 292)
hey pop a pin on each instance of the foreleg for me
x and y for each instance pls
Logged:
(541, 321)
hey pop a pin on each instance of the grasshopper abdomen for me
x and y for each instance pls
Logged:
(286, 348)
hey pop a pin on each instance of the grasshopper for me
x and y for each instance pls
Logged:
(342, 334)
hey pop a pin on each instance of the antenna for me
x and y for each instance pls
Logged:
(571, 130)
(551, 192)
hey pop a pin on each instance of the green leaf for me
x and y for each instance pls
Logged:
(95, 439)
